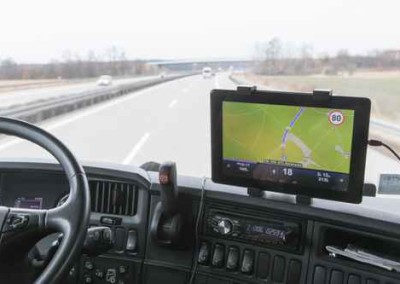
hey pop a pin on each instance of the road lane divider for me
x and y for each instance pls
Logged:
(135, 150)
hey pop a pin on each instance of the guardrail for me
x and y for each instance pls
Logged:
(45, 109)
(392, 128)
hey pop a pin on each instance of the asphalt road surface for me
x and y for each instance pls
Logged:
(170, 121)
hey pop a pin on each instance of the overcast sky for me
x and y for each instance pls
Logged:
(41, 30)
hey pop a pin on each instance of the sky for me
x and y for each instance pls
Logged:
(41, 30)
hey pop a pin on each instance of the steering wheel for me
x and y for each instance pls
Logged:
(71, 218)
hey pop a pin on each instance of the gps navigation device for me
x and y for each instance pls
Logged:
(287, 142)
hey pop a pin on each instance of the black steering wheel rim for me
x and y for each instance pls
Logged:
(72, 217)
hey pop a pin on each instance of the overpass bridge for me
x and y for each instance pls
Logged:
(198, 64)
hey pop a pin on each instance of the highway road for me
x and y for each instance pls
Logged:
(8, 99)
(169, 121)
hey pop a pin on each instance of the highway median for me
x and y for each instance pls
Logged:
(39, 110)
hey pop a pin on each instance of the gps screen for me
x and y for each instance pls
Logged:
(309, 146)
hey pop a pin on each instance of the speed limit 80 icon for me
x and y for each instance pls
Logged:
(336, 117)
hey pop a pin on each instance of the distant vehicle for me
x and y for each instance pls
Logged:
(104, 80)
(207, 72)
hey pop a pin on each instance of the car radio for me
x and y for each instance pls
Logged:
(251, 229)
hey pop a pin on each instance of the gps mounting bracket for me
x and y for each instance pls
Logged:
(303, 199)
(300, 199)
(246, 90)
(255, 192)
(322, 94)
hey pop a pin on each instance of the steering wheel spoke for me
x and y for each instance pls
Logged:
(20, 220)
(20, 229)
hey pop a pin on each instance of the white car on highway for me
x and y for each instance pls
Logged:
(104, 80)
(207, 72)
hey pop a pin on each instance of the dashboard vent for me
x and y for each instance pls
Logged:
(112, 197)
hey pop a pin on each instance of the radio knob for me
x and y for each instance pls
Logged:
(225, 226)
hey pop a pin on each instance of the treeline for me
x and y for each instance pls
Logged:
(114, 62)
(277, 58)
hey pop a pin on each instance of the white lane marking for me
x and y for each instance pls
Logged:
(136, 149)
(216, 82)
(172, 104)
(97, 109)
(83, 114)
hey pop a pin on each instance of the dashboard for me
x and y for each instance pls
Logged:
(235, 239)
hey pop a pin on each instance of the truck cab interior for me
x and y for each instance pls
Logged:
(96, 223)
(200, 142)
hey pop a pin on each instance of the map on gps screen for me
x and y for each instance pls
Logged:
(302, 137)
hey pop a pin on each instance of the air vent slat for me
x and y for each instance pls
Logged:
(109, 200)
(111, 197)
(127, 200)
(103, 196)
(97, 196)
(121, 191)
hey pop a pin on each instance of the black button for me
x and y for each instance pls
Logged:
(294, 272)
(204, 254)
(336, 277)
(87, 279)
(278, 268)
(111, 275)
(263, 264)
(218, 256)
(110, 220)
(119, 239)
(319, 275)
(99, 273)
(16, 221)
(372, 281)
(131, 241)
(88, 265)
(122, 269)
(354, 279)
(96, 235)
(107, 235)
(247, 262)
(232, 261)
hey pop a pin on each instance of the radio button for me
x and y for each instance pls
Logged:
(218, 256)
(204, 254)
(278, 269)
(232, 262)
(225, 226)
(247, 262)
(263, 265)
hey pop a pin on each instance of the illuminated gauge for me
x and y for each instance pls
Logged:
(62, 200)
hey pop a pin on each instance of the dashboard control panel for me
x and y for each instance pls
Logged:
(249, 263)
(95, 270)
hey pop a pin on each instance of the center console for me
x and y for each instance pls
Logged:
(252, 246)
